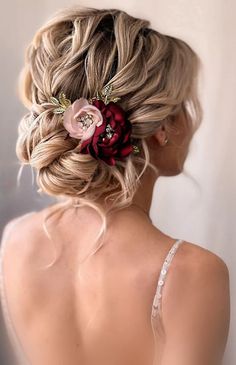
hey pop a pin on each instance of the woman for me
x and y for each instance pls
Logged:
(112, 106)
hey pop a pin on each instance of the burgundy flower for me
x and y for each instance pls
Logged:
(111, 139)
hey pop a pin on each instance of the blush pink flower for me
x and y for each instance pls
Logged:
(81, 119)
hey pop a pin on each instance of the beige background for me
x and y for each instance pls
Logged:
(198, 205)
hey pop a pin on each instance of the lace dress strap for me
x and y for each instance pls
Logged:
(22, 360)
(162, 277)
(156, 305)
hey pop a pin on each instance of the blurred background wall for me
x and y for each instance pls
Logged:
(198, 205)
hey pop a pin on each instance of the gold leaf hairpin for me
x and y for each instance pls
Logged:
(105, 95)
(62, 103)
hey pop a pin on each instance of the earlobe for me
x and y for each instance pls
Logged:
(160, 135)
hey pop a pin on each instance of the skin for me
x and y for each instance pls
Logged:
(99, 312)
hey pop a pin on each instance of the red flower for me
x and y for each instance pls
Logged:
(111, 140)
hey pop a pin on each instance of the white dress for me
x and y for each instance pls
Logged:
(155, 310)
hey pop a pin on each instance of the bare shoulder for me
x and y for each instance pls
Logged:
(16, 222)
(198, 261)
(24, 246)
(198, 271)
(20, 247)
(20, 231)
(196, 301)
(192, 263)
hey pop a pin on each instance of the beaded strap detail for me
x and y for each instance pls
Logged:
(161, 281)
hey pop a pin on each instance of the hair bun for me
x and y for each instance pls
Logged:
(79, 51)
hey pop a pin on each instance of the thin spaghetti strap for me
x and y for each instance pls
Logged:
(156, 305)
(162, 277)
(5, 311)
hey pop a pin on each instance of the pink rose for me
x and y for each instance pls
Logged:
(81, 119)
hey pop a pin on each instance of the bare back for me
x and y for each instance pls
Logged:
(98, 311)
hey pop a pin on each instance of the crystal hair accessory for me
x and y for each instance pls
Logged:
(99, 123)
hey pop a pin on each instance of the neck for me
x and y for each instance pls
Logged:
(143, 197)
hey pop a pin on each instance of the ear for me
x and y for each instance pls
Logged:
(160, 135)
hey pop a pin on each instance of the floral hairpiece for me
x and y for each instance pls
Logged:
(99, 123)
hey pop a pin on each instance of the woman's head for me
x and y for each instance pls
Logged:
(81, 50)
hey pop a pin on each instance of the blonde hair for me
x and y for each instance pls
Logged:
(78, 52)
